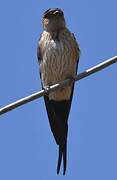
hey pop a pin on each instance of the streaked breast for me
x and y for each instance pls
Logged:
(58, 63)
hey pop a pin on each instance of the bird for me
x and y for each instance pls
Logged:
(58, 55)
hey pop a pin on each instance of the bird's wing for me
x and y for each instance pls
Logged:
(78, 56)
(39, 57)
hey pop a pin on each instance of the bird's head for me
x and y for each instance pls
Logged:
(53, 20)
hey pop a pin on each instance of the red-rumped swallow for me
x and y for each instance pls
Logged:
(58, 55)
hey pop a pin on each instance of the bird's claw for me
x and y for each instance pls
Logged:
(71, 78)
(46, 89)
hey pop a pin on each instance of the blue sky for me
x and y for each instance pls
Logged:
(27, 147)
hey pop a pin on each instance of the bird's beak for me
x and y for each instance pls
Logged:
(56, 12)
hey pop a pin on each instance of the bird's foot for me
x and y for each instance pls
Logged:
(46, 89)
(72, 79)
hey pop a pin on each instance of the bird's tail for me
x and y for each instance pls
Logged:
(62, 154)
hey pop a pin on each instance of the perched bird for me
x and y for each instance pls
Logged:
(58, 56)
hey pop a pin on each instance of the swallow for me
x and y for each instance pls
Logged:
(58, 56)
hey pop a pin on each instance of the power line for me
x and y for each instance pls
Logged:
(52, 88)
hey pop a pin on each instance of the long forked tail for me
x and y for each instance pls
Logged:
(62, 154)
(58, 116)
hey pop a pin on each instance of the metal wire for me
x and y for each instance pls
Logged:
(52, 88)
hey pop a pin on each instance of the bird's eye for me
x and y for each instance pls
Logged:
(62, 13)
(48, 15)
